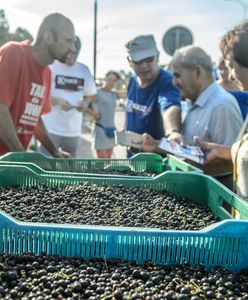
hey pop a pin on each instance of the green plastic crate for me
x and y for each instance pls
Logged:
(173, 163)
(224, 243)
(197, 187)
(39, 171)
(142, 162)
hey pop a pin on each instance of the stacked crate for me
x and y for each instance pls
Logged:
(224, 243)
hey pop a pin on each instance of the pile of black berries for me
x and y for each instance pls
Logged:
(44, 277)
(104, 205)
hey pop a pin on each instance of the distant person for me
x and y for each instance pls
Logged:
(228, 83)
(153, 103)
(242, 98)
(225, 78)
(214, 115)
(103, 111)
(25, 81)
(215, 71)
(72, 85)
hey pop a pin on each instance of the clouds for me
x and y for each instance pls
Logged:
(208, 21)
(73, 8)
(119, 21)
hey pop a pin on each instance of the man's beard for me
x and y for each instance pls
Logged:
(63, 59)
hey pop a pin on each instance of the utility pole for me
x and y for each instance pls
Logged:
(95, 37)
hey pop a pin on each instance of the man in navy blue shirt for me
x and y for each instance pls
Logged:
(242, 98)
(153, 103)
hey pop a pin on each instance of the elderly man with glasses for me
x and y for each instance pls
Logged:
(153, 103)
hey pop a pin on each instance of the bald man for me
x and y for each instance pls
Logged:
(25, 84)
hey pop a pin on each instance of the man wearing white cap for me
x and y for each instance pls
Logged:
(153, 103)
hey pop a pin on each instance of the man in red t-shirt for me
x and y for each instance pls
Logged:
(25, 84)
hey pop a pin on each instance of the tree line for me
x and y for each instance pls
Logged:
(20, 33)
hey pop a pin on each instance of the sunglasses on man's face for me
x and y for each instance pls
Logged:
(145, 60)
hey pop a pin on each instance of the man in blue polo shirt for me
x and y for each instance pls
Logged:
(153, 103)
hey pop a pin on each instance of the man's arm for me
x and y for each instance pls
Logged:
(41, 134)
(218, 159)
(214, 151)
(91, 112)
(172, 123)
(7, 130)
(90, 98)
(151, 145)
(62, 103)
(86, 104)
(172, 119)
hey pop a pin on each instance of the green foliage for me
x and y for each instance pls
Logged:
(4, 28)
(20, 33)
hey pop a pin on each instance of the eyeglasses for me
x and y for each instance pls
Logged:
(147, 60)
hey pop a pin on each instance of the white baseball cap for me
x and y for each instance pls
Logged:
(141, 47)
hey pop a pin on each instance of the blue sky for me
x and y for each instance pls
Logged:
(121, 20)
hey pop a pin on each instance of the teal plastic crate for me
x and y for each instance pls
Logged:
(224, 243)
